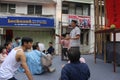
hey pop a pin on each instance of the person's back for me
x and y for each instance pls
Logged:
(75, 70)
(9, 66)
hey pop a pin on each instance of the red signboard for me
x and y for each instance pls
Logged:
(83, 21)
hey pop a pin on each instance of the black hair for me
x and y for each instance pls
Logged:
(17, 38)
(73, 55)
(50, 43)
(27, 40)
(74, 21)
(1, 48)
(35, 45)
(7, 43)
(64, 34)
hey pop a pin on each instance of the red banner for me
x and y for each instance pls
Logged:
(83, 21)
(113, 12)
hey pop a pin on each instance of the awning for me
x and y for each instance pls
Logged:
(31, 1)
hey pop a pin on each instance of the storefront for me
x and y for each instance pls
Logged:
(41, 29)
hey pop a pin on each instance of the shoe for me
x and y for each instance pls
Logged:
(51, 69)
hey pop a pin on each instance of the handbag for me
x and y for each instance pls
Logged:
(46, 60)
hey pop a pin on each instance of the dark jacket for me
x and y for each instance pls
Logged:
(75, 71)
(50, 50)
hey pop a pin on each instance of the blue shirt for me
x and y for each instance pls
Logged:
(33, 59)
(75, 71)
(15, 44)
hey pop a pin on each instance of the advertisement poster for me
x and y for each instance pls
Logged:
(82, 21)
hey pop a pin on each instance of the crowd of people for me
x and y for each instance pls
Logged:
(32, 59)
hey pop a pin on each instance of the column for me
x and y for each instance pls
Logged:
(91, 32)
(58, 24)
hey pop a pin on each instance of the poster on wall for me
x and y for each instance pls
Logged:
(83, 22)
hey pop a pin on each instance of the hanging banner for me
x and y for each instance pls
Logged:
(83, 22)
(113, 13)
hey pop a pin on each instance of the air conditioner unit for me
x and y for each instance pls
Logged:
(1, 30)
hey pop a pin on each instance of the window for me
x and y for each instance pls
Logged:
(35, 9)
(76, 8)
(103, 12)
(71, 8)
(65, 8)
(86, 11)
(10, 8)
(79, 10)
(30, 9)
(3, 7)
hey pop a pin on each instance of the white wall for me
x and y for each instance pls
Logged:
(65, 19)
(48, 9)
(21, 8)
(117, 37)
(58, 25)
(81, 1)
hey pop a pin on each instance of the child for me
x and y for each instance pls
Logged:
(65, 45)
(3, 54)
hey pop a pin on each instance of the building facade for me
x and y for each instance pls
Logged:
(33, 18)
(83, 12)
(42, 19)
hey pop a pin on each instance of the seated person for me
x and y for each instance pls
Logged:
(75, 70)
(47, 59)
(51, 49)
(3, 54)
(34, 61)
(17, 42)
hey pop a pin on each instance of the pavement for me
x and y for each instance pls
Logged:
(99, 71)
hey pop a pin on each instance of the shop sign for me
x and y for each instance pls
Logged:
(26, 21)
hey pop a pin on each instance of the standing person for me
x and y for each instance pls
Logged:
(17, 42)
(3, 54)
(65, 46)
(75, 36)
(51, 49)
(16, 58)
(75, 70)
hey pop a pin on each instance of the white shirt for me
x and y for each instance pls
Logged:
(41, 46)
(9, 66)
(73, 33)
